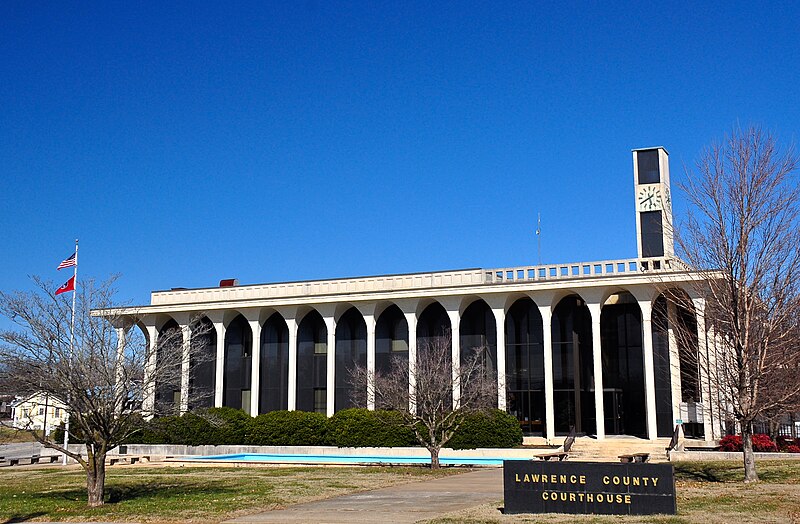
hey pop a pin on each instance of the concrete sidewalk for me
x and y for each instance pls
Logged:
(406, 503)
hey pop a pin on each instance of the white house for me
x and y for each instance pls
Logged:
(38, 411)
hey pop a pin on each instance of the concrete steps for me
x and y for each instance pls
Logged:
(587, 449)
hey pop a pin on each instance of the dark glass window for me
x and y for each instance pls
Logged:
(202, 366)
(652, 234)
(351, 351)
(168, 390)
(661, 367)
(647, 166)
(238, 343)
(391, 340)
(479, 339)
(274, 365)
(623, 369)
(573, 372)
(525, 367)
(312, 364)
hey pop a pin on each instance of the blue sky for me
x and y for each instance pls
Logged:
(185, 142)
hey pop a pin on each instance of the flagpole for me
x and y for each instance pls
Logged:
(71, 343)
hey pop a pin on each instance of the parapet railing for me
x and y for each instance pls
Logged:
(603, 268)
(460, 278)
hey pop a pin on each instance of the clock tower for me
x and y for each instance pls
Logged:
(653, 203)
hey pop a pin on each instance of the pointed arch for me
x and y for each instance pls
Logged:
(238, 364)
(202, 375)
(525, 366)
(391, 339)
(274, 372)
(573, 372)
(168, 389)
(623, 366)
(478, 337)
(312, 363)
(351, 351)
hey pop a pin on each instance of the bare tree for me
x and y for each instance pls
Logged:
(100, 377)
(743, 235)
(439, 399)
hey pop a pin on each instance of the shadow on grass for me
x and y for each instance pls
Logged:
(153, 491)
(23, 518)
(701, 472)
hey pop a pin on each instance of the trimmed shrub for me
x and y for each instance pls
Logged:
(287, 428)
(784, 443)
(487, 429)
(761, 443)
(360, 427)
(229, 426)
(793, 448)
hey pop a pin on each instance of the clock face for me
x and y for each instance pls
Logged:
(649, 198)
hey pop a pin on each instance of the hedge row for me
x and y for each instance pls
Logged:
(347, 428)
(762, 443)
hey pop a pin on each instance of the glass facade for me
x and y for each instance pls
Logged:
(478, 339)
(573, 372)
(312, 364)
(202, 378)
(238, 347)
(274, 373)
(525, 367)
(662, 369)
(166, 390)
(391, 341)
(623, 368)
(351, 351)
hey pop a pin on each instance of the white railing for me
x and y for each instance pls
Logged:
(603, 268)
(416, 281)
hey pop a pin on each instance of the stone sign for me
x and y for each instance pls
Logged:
(586, 487)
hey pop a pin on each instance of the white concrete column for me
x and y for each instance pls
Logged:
(716, 382)
(547, 346)
(704, 361)
(369, 319)
(255, 367)
(330, 380)
(119, 377)
(291, 323)
(411, 320)
(595, 309)
(219, 379)
(649, 369)
(149, 400)
(455, 344)
(674, 361)
(500, 324)
(186, 334)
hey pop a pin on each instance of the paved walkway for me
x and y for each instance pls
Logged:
(406, 503)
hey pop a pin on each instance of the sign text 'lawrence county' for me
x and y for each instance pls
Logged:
(586, 487)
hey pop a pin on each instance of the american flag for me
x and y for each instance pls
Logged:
(69, 262)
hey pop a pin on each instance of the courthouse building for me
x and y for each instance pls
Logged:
(591, 345)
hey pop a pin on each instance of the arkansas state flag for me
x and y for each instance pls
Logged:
(69, 285)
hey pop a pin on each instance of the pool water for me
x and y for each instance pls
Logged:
(350, 459)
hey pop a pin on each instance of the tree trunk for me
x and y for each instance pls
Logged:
(96, 478)
(434, 458)
(750, 474)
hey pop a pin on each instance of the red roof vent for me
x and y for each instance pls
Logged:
(229, 282)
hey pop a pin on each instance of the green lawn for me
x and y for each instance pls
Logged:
(708, 493)
(179, 494)
(10, 435)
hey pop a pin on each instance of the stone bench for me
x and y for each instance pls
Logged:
(558, 456)
(127, 459)
(634, 457)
